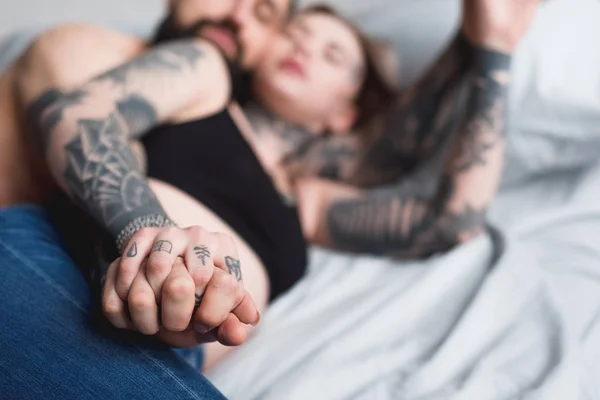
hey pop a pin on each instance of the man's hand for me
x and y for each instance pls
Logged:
(184, 284)
(497, 24)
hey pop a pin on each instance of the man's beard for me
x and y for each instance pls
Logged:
(170, 30)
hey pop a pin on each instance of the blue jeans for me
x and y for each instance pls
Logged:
(49, 347)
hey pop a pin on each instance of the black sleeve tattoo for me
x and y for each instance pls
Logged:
(396, 220)
(421, 121)
(102, 174)
(417, 127)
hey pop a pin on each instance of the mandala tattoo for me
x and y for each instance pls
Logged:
(234, 267)
(202, 253)
(102, 173)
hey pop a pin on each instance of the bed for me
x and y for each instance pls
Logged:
(509, 317)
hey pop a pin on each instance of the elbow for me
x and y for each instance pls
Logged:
(461, 228)
(43, 115)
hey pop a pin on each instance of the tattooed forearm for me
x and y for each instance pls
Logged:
(421, 121)
(400, 225)
(173, 57)
(85, 133)
(417, 127)
(103, 176)
(129, 86)
(44, 113)
(395, 221)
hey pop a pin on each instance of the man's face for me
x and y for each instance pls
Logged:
(243, 29)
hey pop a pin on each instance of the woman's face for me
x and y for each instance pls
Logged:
(312, 73)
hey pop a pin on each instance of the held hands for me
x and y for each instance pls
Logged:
(497, 24)
(183, 284)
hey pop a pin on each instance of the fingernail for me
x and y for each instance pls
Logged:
(202, 329)
(257, 318)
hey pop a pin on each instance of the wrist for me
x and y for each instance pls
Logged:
(139, 223)
(485, 58)
(488, 44)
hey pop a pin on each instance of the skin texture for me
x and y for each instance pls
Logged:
(85, 130)
(45, 85)
(85, 133)
(319, 95)
(403, 219)
(436, 158)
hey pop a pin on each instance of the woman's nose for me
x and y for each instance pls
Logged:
(302, 47)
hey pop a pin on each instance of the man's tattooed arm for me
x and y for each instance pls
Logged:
(397, 220)
(85, 133)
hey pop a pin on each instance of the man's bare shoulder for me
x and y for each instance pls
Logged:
(86, 37)
(67, 56)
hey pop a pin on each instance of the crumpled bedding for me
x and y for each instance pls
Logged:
(461, 326)
(458, 326)
(464, 325)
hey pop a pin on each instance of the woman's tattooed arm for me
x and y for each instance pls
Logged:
(397, 219)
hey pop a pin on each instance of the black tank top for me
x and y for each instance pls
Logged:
(210, 160)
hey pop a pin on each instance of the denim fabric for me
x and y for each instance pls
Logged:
(49, 347)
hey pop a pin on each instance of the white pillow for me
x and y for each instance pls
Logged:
(554, 103)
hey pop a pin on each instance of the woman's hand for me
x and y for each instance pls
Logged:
(497, 24)
(184, 284)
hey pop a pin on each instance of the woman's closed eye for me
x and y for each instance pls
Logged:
(334, 55)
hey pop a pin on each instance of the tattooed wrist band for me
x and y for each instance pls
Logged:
(486, 60)
(146, 221)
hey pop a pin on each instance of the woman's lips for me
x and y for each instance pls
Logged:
(294, 67)
(222, 38)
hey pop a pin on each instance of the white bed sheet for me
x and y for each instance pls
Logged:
(454, 327)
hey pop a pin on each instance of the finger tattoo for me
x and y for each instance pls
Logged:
(202, 253)
(234, 267)
(163, 245)
(132, 252)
